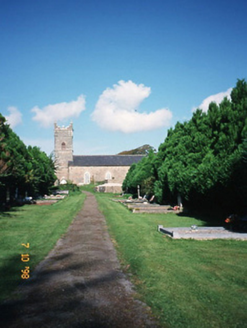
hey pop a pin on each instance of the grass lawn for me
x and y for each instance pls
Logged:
(187, 283)
(41, 227)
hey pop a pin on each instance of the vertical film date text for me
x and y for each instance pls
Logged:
(25, 258)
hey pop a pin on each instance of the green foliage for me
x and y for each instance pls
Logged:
(203, 159)
(42, 171)
(91, 187)
(73, 188)
(142, 174)
(23, 169)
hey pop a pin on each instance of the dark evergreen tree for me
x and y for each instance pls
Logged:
(22, 170)
(203, 160)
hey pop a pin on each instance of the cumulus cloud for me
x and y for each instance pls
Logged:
(116, 109)
(217, 98)
(15, 117)
(59, 112)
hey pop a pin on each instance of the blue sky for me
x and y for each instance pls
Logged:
(122, 71)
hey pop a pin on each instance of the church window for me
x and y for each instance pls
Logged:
(108, 175)
(63, 145)
(87, 178)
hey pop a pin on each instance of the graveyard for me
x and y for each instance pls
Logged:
(201, 233)
(194, 232)
(186, 283)
(142, 206)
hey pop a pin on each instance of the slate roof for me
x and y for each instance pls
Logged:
(105, 160)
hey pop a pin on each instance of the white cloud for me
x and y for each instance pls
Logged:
(116, 109)
(214, 98)
(15, 117)
(59, 112)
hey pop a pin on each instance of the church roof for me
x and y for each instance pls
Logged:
(105, 160)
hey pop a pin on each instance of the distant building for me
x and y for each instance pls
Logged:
(83, 169)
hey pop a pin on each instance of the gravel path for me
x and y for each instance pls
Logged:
(79, 284)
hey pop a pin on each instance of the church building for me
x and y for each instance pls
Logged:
(84, 169)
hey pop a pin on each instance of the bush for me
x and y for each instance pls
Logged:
(73, 188)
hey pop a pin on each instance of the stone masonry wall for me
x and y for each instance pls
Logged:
(63, 144)
(97, 173)
(63, 149)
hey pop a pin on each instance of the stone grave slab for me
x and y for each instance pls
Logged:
(201, 233)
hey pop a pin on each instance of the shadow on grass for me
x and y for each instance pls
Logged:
(52, 299)
(4, 214)
(211, 219)
(10, 273)
(9, 212)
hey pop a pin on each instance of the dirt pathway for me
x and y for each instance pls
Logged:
(79, 284)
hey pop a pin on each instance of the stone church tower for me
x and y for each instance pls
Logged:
(63, 149)
(84, 169)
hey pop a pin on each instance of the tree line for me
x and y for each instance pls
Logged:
(23, 170)
(204, 160)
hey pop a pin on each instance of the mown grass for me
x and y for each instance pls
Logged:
(41, 227)
(187, 283)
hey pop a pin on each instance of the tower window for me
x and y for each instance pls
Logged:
(63, 145)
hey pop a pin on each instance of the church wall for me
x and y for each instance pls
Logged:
(97, 173)
(63, 151)
(62, 173)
